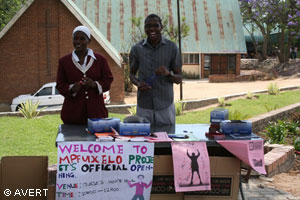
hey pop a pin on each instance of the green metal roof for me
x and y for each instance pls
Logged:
(216, 25)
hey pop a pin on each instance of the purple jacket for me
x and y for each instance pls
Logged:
(87, 103)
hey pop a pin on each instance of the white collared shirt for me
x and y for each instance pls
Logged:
(84, 65)
(90, 53)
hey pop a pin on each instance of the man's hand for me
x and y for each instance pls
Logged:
(162, 70)
(142, 86)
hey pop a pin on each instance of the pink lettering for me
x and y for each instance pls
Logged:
(120, 148)
(109, 148)
(59, 186)
(137, 148)
(82, 148)
(66, 147)
(76, 147)
(144, 149)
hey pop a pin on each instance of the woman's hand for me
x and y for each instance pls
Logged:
(76, 87)
(88, 83)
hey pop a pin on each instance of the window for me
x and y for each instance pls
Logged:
(207, 62)
(185, 59)
(56, 91)
(190, 58)
(231, 62)
(45, 91)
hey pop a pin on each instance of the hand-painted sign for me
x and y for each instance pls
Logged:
(107, 170)
(191, 166)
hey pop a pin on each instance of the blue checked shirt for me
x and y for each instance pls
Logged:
(146, 59)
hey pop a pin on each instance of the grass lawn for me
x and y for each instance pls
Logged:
(19, 136)
(36, 136)
(249, 107)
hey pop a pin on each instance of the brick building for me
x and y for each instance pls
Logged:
(33, 41)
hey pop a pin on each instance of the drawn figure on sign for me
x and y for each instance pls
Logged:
(194, 165)
(257, 163)
(139, 187)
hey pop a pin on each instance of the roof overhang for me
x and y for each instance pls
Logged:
(107, 46)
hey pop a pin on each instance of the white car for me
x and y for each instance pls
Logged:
(48, 96)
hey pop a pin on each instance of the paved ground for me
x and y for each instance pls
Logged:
(256, 189)
(193, 90)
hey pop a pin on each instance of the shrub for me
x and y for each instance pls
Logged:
(270, 108)
(29, 109)
(273, 89)
(190, 75)
(277, 132)
(179, 107)
(250, 95)
(292, 127)
(221, 101)
(128, 84)
(237, 115)
(297, 144)
(132, 110)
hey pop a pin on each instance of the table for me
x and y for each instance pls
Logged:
(225, 168)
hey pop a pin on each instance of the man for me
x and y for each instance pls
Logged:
(157, 62)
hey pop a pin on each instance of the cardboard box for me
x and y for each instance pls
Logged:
(52, 171)
(24, 176)
(225, 176)
(51, 192)
(163, 181)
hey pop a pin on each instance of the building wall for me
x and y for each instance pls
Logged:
(19, 58)
(188, 68)
(202, 66)
(238, 64)
(32, 46)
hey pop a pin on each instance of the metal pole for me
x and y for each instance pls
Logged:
(179, 42)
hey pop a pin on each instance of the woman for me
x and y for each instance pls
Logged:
(82, 77)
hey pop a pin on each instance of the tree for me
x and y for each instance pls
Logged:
(8, 8)
(251, 30)
(256, 12)
(169, 30)
(280, 16)
(286, 14)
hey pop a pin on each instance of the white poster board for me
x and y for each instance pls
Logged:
(104, 170)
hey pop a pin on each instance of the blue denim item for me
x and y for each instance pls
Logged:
(151, 80)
